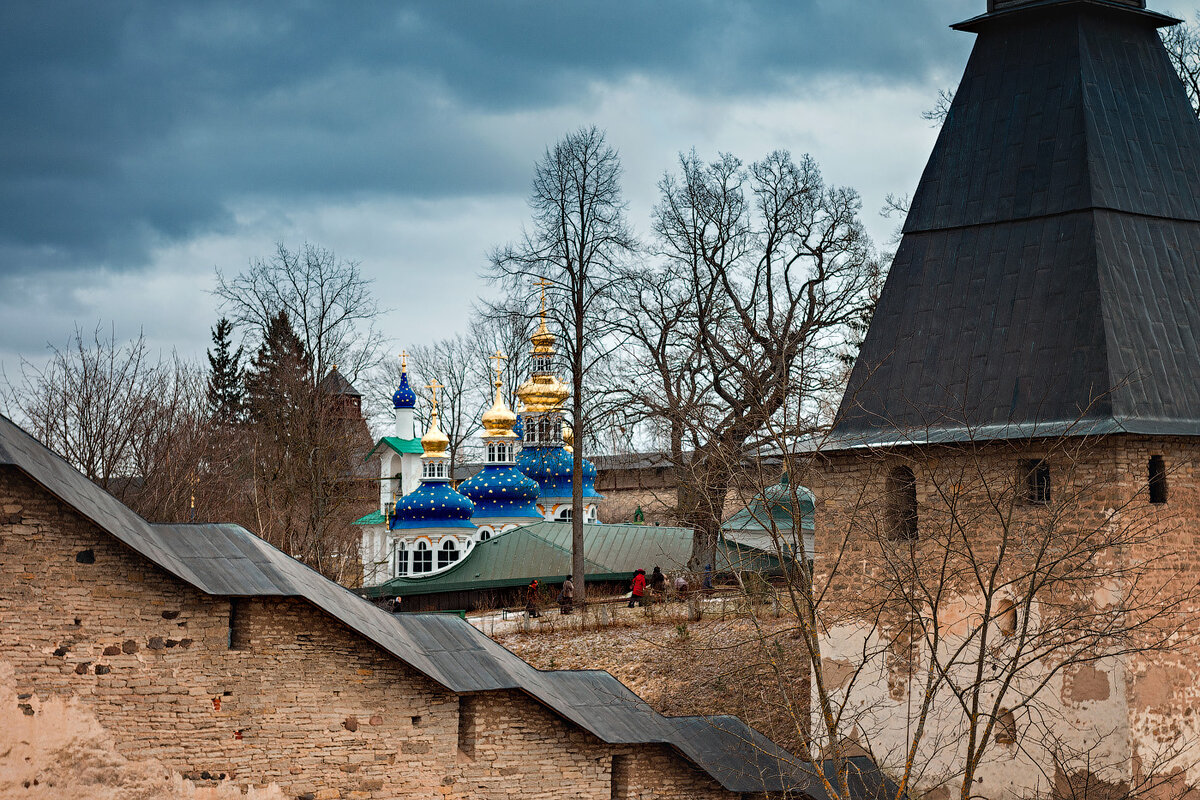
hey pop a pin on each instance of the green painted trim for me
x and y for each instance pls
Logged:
(374, 518)
(401, 446)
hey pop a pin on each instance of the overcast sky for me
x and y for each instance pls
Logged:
(144, 144)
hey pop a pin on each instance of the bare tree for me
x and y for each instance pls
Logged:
(976, 603)
(765, 270)
(1183, 46)
(578, 239)
(330, 303)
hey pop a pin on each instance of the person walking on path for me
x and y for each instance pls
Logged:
(638, 589)
(531, 599)
(658, 585)
(566, 596)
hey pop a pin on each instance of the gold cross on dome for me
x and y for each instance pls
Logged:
(543, 282)
(403, 360)
(433, 386)
(498, 358)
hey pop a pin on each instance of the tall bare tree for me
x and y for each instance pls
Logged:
(578, 239)
(974, 604)
(330, 303)
(765, 270)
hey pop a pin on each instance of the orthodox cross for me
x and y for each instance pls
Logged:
(498, 358)
(403, 360)
(543, 282)
(433, 386)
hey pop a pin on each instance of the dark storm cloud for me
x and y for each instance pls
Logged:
(132, 124)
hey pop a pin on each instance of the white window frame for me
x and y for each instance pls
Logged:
(422, 562)
(399, 559)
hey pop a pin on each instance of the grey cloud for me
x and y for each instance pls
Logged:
(132, 123)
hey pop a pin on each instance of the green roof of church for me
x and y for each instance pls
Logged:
(374, 518)
(542, 550)
(401, 446)
(775, 503)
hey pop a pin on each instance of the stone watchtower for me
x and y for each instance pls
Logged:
(1033, 362)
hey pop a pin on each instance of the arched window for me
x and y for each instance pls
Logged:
(448, 554)
(422, 559)
(1158, 480)
(400, 560)
(434, 470)
(565, 515)
(902, 505)
(484, 535)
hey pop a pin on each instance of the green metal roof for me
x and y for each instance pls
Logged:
(374, 518)
(401, 446)
(772, 510)
(542, 550)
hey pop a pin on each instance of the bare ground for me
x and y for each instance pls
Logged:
(711, 667)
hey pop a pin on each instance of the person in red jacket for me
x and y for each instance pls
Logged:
(639, 588)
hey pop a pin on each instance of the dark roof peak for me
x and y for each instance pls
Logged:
(1006, 9)
(1046, 277)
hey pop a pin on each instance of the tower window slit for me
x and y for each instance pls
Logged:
(902, 505)
(1158, 480)
(1036, 481)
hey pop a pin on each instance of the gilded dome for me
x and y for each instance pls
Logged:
(543, 340)
(498, 421)
(543, 393)
(435, 443)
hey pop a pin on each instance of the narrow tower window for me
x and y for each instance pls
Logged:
(902, 505)
(467, 722)
(239, 628)
(1158, 480)
(401, 559)
(1036, 475)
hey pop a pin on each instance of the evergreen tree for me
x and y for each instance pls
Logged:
(226, 381)
(279, 380)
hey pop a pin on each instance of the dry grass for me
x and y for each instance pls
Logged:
(716, 666)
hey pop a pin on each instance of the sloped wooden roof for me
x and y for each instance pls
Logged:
(1047, 276)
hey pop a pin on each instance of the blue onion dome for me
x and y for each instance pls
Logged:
(519, 427)
(404, 397)
(433, 505)
(500, 490)
(551, 467)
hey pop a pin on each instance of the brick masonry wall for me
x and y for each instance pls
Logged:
(304, 703)
(1130, 709)
(654, 772)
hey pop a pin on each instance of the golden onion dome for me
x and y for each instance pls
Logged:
(543, 340)
(498, 421)
(434, 442)
(543, 393)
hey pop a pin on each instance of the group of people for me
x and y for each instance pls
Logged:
(656, 585)
(565, 599)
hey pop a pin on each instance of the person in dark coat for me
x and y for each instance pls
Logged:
(531, 599)
(638, 588)
(566, 596)
(658, 584)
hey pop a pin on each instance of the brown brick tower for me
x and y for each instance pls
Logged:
(1031, 382)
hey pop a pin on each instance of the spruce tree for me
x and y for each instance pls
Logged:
(279, 380)
(226, 384)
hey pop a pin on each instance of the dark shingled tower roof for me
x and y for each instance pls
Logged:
(1048, 277)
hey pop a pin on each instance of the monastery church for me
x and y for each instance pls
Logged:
(425, 525)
